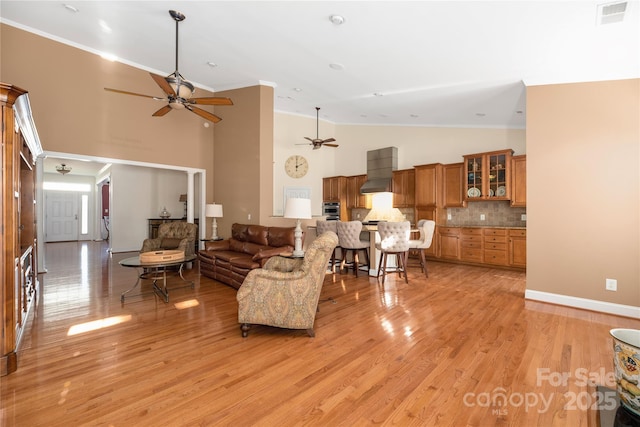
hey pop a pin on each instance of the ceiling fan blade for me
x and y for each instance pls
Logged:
(164, 85)
(161, 112)
(328, 140)
(211, 101)
(310, 139)
(204, 114)
(133, 93)
(331, 145)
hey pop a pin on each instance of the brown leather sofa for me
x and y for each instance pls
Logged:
(250, 246)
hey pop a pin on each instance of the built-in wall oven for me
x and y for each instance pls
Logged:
(331, 210)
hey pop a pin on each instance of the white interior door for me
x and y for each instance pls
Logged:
(62, 216)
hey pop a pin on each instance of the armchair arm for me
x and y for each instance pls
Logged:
(149, 245)
(265, 282)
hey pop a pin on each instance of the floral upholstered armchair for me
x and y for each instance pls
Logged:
(285, 292)
(175, 235)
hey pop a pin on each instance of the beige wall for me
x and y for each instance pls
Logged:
(583, 189)
(74, 114)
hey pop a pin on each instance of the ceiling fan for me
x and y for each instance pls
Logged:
(317, 142)
(178, 90)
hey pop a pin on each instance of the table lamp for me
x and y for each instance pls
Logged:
(298, 209)
(213, 211)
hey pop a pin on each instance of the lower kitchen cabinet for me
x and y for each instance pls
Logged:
(471, 245)
(495, 247)
(448, 243)
(518, 247)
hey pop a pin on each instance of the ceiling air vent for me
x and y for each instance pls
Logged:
(609, 13)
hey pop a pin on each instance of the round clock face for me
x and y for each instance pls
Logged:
(296, 166)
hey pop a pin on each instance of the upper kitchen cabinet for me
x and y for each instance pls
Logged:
(355, 199)
(454, 185)
(519, 181)
(488, 175)
(404, 188)
(334, 189)
(428, 185)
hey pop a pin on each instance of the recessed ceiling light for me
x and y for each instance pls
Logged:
(336, 66)
(480, 114)
(337, 19)
(212, 64)
(71, 8)
(413, 115)
(378, 94)
(519, 112)
(297, 89)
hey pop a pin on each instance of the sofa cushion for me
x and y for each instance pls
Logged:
(258, 234)
(236, 245)
(281, 236)
(252, 248)
(170, 243)
(230, 255)
(239, 232)
(242, 264)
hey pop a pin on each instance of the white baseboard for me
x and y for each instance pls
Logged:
(587, 304)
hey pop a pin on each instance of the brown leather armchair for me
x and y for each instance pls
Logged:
(177, 235)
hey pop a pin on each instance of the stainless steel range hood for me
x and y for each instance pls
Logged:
(380, 166)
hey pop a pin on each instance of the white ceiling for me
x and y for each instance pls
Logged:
(434, 63)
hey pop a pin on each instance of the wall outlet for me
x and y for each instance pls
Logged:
(523, 217)
(449, 216)
(358, 216)
(482, 217)
(248, 217)
(611, 284)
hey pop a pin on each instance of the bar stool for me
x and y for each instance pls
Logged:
(349, 241)
(323, 226)
(426, 228)
(394, 240)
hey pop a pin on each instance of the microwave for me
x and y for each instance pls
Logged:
(331, 210)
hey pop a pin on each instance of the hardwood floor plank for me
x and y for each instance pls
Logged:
(448, 350)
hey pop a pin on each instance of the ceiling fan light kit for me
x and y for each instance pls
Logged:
(178, 90)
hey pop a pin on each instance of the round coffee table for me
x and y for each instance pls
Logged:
(156, 271)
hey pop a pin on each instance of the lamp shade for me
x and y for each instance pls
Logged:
(298, 208)
(213, 211)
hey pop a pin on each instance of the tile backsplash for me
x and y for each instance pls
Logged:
(496, 214)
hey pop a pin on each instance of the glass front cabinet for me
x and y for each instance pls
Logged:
(488, 175)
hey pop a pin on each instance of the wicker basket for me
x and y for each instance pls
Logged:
(161, 256)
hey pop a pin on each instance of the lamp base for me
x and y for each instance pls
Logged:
(214, 230)
(297, 251)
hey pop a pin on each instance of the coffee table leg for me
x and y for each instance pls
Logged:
(193, 284)
(163, 291)
(133, 287)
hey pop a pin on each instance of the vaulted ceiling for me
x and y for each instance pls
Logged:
(423, 63)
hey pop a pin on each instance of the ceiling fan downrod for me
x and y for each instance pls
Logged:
(183, 88)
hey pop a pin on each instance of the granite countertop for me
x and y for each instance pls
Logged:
(485, 226)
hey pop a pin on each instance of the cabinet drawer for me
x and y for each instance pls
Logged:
(495, 231)
(495, 246)
(517, 233)
(495, 257)
(471, 232)
(471, 243)
(450, 231)
(471, 254)
(494, 239)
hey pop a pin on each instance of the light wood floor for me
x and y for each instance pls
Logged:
(434, 352)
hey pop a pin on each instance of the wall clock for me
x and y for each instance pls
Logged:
(296, 166)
